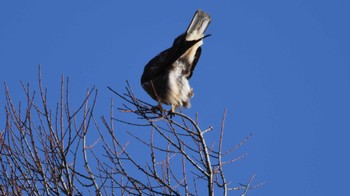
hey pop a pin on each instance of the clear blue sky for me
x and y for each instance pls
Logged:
(281, 68)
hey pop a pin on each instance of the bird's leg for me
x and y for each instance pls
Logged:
(171, 111)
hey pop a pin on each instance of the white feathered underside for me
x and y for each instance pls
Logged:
(181, 92)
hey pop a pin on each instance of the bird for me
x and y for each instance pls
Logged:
(166, 77)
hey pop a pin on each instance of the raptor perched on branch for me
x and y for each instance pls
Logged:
(166, 77)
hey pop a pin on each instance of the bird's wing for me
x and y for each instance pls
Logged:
(156, 66)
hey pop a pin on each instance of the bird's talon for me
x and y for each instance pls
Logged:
(171, 113)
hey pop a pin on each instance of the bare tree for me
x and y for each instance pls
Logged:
(45, 150)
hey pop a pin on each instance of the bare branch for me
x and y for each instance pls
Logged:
(50, 149)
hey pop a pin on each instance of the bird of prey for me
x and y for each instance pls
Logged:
(166, 77)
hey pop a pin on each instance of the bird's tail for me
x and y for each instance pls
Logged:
(198, 25)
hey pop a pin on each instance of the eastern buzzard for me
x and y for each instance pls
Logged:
(166, 77)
